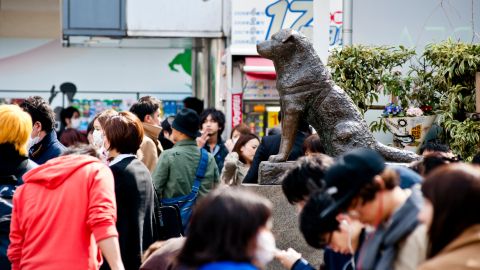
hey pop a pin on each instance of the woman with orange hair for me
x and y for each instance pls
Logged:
(15, 129)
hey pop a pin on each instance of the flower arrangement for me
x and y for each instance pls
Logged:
(393, 110)
(413, 111)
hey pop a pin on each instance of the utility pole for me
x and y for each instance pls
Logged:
(347, 22)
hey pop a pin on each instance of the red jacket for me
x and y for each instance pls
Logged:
(64, 208)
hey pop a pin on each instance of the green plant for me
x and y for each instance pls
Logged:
(463, 136)
(425, 92)
(366, 71)
(441, 81)
(453, 67)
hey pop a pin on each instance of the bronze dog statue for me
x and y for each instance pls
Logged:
(307, 90)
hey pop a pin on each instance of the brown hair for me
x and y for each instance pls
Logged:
(242, 128)
(223, 226)
(124, 132)
(454, 191)
(103, 116)
(368, 192)
(313, 144)
(244, 139)
(146, 105)
(40, 111)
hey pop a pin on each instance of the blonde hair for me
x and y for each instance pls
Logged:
(15, 127)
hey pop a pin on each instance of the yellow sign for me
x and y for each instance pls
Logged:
(417, 132)
(273, 119)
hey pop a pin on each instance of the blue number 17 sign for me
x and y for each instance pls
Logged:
(301, 11)
(254, 21)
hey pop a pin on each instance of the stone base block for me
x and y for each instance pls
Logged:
(271, 173)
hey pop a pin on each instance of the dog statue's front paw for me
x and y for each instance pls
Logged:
(277, 158)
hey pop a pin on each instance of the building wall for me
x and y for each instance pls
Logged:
(32, 58)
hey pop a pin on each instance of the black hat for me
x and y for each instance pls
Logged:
(187, 122)
(350, 174)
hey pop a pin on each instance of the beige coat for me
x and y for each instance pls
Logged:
(150, 148)
(463, 253)
(412, 251)
(233, 170)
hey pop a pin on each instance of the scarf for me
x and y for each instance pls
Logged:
(380, 248)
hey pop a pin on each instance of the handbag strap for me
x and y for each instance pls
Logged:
(201, 170)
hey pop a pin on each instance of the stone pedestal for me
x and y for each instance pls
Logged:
(285, 217)
(271, 173)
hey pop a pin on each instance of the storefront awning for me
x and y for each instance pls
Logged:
(258, 68)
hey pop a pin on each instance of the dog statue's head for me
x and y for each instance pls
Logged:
(281, 44)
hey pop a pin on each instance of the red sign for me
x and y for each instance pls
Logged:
(236, 109)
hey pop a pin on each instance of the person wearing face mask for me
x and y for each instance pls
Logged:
(230, 229)
(43, 144)
(70, 119)
(98, 134)
(239, 160)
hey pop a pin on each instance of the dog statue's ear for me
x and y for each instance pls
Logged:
(288, 35)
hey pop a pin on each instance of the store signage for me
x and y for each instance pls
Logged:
(236, 109)
(254, 21)
(261, 90)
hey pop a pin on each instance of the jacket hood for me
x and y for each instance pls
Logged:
(53, 173)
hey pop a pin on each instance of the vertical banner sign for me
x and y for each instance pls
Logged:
(236, 109)
(336, 24)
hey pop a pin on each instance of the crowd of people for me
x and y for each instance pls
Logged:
(92, 200)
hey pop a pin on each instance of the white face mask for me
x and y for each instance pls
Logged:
(97, 138)
(265, 250)
(76, 123)
(32, 141)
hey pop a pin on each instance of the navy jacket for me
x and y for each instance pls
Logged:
(49, 147)
(219, 153)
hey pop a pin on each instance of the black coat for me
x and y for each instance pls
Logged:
(12, 168)
(135, 210)
(270, 145)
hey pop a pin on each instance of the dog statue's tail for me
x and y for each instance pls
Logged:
(394, 154)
